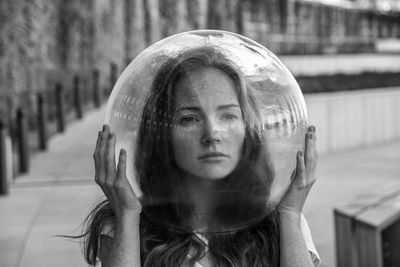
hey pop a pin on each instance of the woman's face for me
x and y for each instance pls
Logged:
(209, 130)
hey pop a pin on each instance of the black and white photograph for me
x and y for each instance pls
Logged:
(200, 133)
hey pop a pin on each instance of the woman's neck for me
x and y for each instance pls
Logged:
(199, 194)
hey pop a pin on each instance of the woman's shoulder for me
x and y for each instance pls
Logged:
(309, 241)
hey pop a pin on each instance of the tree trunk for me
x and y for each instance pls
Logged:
(135, 40)
(152, 21)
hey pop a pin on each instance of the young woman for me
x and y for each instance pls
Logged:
(199, 130)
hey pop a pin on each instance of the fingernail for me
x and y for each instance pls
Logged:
(312, 128)
(104, 127)
(300, 153)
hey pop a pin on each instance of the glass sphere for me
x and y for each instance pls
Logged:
(211, 122)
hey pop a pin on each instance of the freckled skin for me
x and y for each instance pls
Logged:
(207, 119)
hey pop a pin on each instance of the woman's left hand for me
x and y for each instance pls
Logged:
(303, 177)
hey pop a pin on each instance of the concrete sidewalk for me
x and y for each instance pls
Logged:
(52, 199)
(348, 177)
(59, 192)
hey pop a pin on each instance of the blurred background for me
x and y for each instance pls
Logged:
(59, 60)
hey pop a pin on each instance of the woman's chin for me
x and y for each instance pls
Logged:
(207, 173)
(213, 175)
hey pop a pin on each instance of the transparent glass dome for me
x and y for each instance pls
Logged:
(211, 122)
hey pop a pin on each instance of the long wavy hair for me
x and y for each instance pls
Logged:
(158, 177)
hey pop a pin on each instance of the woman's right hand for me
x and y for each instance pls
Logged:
(112, 179)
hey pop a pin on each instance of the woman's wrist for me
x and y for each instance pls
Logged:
(286, 214)
(128, 218)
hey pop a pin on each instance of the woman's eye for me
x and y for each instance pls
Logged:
(188, 120)
(229, 116)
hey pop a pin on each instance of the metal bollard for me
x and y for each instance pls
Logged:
(97, 92)
(113, 76)
(3, 160)
(84, 93)
(60, 108)
(78, 98)
(23, 141)
(42, 122)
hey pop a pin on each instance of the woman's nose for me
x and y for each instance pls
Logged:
(211, 133)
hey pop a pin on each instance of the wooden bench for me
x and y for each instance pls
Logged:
(368, 231)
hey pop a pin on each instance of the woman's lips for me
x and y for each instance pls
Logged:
(213, 155)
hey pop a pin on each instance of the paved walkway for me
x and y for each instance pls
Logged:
(54, 198)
